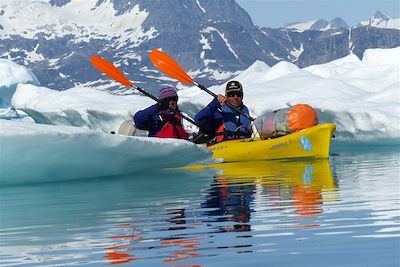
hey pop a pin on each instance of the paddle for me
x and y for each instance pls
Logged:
(168, 65)
(114, 73)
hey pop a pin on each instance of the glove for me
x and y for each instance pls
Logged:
(163, 105)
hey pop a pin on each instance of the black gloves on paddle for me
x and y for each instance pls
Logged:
(163, 105)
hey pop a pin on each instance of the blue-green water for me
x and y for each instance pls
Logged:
(341, 212)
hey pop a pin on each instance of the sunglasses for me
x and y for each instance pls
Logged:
(238, 94)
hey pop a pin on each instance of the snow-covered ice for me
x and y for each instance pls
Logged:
(360, 96)
(10, 75)
(33, 152)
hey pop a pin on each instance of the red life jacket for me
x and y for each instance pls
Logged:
(221, 134)
(234, 125)
(172, 127)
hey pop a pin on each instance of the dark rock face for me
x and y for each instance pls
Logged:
(369, 37)
(203, 35)
(324, 47)
(59, 3)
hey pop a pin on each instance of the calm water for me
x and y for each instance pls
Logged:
(341, 212)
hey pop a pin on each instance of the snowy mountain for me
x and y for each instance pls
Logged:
(211, 39)
(317, 25)
(56, 38)
(381, 20)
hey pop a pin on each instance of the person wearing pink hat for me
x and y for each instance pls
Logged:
(162, 119)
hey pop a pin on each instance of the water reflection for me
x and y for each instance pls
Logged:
(60, 223)
(239, 194)
(242, 188)
(244, 214)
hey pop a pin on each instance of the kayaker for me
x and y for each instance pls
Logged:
(162, 119)
(222, 122)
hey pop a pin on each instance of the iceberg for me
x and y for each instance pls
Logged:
(32, 153)
(82, 107)
(11, 74)
(360, 96)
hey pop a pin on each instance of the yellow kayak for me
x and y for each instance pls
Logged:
(313, 142)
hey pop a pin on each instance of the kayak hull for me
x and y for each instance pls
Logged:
(313, 142)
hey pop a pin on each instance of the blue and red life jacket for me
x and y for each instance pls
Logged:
(234, 125)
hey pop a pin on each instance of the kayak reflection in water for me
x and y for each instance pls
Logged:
(297, 188)
(162, 120)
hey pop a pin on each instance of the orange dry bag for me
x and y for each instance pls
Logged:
(285, 121)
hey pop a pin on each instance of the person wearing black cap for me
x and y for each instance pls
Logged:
(221, 122)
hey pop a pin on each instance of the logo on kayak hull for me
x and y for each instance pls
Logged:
(305, 143)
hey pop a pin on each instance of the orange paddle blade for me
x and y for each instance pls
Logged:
(167, 65)
(110, 70)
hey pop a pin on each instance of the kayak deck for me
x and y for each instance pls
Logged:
(313, 142)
